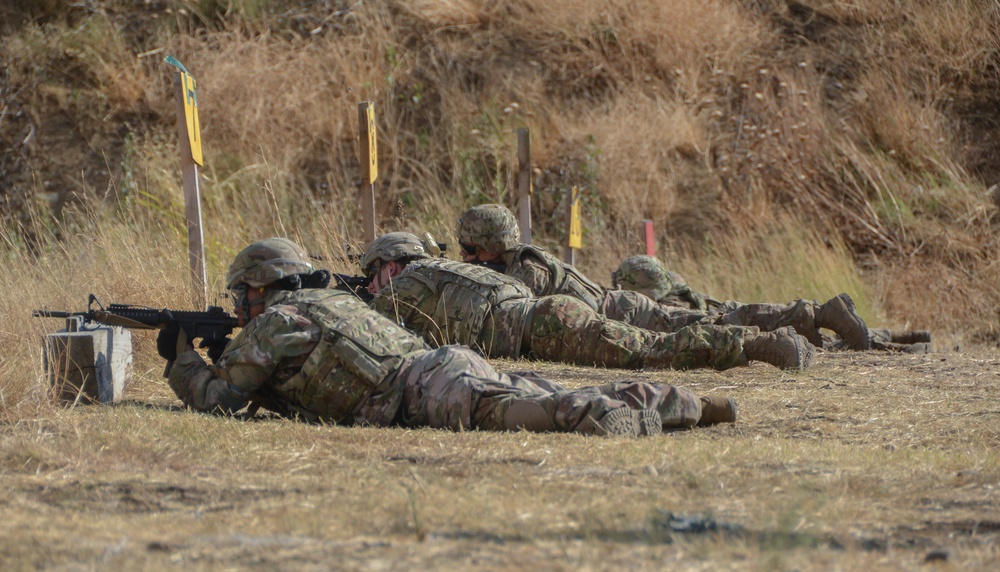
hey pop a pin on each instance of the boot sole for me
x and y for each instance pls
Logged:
(631, 423)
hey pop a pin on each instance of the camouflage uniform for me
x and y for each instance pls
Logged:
(546, 275)
(494, 229)
(324, 355)
(451, 302)
(646, 275)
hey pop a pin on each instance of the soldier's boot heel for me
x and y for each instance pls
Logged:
(840, 315)
(717, 410)
(781, 348)
(633, 423)
(650, 423)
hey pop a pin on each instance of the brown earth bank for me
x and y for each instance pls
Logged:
(865, 461)
(873, 122)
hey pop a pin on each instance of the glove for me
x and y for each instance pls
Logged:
(215, 347)
(166, 341)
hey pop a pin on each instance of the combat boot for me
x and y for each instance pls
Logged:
(628, 422)
(781, 348)
(838, 314)
(717, 410)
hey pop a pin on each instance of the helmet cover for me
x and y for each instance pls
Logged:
(267, 261)
(492, 228)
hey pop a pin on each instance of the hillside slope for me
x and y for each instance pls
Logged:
(870, 124)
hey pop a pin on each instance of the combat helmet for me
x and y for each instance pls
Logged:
(393, 246)
(490, 227)
(643, 274)
(267, 261)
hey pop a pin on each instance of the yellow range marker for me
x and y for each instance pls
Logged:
(191, 115)
(575, 228)
(372, 173)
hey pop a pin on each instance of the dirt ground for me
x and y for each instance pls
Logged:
(865, 461)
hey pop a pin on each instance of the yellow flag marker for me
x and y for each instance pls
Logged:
(368, 135)
(369, 143)
(191, 116)
(575, 226)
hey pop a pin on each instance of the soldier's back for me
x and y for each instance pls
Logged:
(445, 301)
(357, 351)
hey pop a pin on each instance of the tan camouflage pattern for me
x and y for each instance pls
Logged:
(454, 388)
(198, 386)
(546, 275)
(320, 353)
(799, 314)
(393, 246)
(644, 312)
(490, 227)
(648, 276)
(677, 406)
(267, 261)
(448, 302)
(504, 328)
(564, 329)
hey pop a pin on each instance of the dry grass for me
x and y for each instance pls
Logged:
(783, 149)
(865, 461)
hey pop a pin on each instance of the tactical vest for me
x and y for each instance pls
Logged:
(357, 352)
(446, 301)
(563, 278)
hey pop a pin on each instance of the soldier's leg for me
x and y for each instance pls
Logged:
(643, 312)
(564, 329)
(455, 388)
(910, 337)
(886, 336)
(769, 317)
(882, 339)
(678, 407)
(914, 342)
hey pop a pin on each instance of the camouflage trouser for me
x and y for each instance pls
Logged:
(677, 406)
(643, 312)
(452, 387)
(799, 314)
(564, 329)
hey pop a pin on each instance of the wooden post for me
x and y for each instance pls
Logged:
(367, 133)
(524, 186)
(647, 227)
(189, 134)
(574, 234)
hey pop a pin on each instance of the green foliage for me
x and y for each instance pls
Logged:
(487, 156)
(893, 211)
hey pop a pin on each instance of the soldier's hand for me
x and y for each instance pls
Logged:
(166, 341)
(215, 347)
